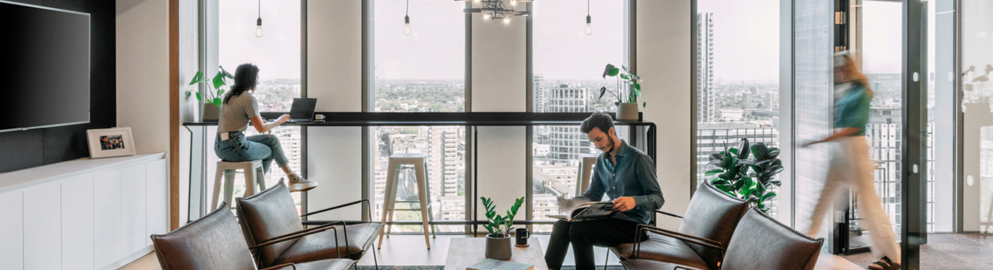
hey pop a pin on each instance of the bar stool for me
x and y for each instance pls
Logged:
(396, 164)
(585, 173)
(254, 175)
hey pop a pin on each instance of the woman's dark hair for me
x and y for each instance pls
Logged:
(244, 78)
(600, 120)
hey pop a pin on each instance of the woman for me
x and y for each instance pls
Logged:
(241, 108)
(851, 165)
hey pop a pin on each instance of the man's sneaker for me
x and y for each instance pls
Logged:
(884, 264)
(297, 183)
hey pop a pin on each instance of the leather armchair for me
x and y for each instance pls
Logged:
(271, 214)
(711, 218)
(759, 242)
(214, 242)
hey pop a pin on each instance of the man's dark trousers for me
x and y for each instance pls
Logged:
(585, 235)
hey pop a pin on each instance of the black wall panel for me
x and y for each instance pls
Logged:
(31, 148)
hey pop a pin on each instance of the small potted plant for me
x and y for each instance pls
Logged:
(627, 105)
(498, 240)
(211, 100)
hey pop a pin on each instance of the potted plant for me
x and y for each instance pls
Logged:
(734, 178)
(498, 240)
(211, 100)
(627, 105)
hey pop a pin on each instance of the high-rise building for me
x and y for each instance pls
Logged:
(541, 94)
(715, 137)
(705, 68)
(567, 142)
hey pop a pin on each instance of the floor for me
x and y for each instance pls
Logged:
(947, 251)
(409, 252)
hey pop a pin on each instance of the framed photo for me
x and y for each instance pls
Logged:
(110, 142)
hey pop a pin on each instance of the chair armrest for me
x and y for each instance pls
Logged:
(668, 214)
(365, 201)
(302, 233)
(277, 267)
(636, 252)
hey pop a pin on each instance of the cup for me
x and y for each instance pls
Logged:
(522, 236)
(319, 117)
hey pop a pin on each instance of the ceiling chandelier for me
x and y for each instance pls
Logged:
(497, 9)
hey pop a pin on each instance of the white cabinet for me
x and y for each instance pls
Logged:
(77, 223)
(156, 199)
(133, 206)
(108, 218)
(12, 230)
(42, 236)
(83, 214)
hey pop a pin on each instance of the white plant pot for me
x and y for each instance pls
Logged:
(210, 112)
(627, 112)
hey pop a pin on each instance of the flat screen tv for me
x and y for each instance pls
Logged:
(44, 67)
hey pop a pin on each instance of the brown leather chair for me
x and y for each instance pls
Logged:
(759, 242)
(711, 217)
(215, 242)
(271, 213)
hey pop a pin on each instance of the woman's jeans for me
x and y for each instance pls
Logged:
(852, 167)
(238, 148)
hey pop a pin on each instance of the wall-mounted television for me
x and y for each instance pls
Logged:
(44, 67)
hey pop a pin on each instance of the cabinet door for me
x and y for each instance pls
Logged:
(12, 230)
(108, 222)
(77, 223)
(133, 202)
(157, 199)
(43, 227)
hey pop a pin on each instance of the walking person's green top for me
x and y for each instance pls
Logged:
(852, 110)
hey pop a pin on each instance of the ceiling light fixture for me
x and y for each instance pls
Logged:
(589, 20)
(497, 9)
(406, 20)
(258, 23)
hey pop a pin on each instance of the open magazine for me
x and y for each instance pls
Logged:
(584, 210)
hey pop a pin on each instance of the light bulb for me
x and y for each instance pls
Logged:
(258, 29)
(506, 20)
(486, 16)
(589, 25)
(406, 25)
(513, 2)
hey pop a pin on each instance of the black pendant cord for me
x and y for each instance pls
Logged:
(406, 12)
(260, 9)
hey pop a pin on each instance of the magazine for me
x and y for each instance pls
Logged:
(585, 211)
(491, 264)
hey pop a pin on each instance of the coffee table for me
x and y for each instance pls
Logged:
(463, 252)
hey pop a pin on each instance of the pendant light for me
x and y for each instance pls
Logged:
(406, 20)
(258, 23)
(589, 21)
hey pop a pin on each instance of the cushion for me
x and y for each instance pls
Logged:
(663, 249)
(761, 242)
(336, 264)
(266, 215)
(714, 215)
(321, 245)
(652, 265)
(211, 242)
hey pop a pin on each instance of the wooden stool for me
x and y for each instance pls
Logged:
(254, 175)
(415, 162)
(584, 174)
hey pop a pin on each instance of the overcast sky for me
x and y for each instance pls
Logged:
(746, 38)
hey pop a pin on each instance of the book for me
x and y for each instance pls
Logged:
(585, 211)
(491, 264)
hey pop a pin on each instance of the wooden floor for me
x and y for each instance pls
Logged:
(947, 251)
(409, 251)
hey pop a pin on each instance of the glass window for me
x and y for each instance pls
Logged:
(277, 54)
(737, 79)
(422, 70)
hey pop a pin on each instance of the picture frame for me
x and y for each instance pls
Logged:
(110, 142)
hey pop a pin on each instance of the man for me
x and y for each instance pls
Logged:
(627, 176)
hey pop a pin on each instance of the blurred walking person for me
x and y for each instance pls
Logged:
(850, 163)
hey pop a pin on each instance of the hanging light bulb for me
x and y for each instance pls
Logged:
(406, 20)
(589, 20)
(486, 16)
(506, 20)
(513, 2)
(258, 23)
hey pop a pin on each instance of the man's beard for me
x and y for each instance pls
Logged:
(610, 145)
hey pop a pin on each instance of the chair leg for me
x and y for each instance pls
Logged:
(605, 260)
(374, 260)
(228, 186)
(250, 182)
(387, 201)
(422, 196)
(218, 178)
(260, 178)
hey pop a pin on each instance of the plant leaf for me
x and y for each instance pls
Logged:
(624, 76)
(217, 101)
(713, 172)
(219, 80)
(199, 99)
(603, 90)
(644, 104)
(197, 78)
(613, 72)
(608, 69)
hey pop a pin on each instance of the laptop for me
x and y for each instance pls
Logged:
(302, 110)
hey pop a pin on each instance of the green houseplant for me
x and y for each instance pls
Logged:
(498, 240)
(627, 104)
(210, 98)
(746, 178)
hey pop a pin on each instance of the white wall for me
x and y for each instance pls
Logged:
(499, 63)
(143, 72)
(334, 55)
(663, 61)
